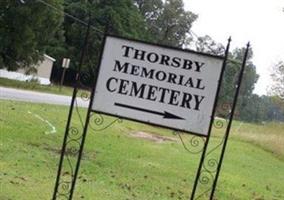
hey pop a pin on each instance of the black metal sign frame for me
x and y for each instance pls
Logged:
(224, 58)
(64, 189)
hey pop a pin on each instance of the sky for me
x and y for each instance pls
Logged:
(260, 22)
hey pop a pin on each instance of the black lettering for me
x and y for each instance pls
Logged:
(108, 84)
(161, 78)
(186, 100)
(165, 60)
(151, 93)
(173, 97)
(120, 68)
(181, 77)
(152, 57)
(134, 70)
(139, 54)
(198, 86)
(176, 62)
(122, 86)
(163, 92)
(187, 64)
(147, 74)
(172, 78)
(135, 91)
(189, 83)
(198, 101)
(126, 52)
(198, 65)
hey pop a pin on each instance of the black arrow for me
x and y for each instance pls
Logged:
(165, 114)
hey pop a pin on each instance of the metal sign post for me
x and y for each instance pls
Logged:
(211, 124)
(65, 65)
(203, 169)
(157, 85)
(227, 133)
(68, 130)
(184, 109)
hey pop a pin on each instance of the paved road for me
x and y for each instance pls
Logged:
(37, 97)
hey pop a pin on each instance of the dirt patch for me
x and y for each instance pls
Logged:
(152, 137)
(72, 151)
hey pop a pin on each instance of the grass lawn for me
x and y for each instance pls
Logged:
(55, 89)
(118, 166)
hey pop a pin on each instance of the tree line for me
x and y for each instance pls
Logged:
(31, 28)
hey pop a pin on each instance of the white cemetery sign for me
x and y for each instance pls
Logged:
(159, 85)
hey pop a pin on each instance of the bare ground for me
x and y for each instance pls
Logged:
(152, 137)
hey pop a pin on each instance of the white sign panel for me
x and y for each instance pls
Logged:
(65, 62)
(158, 85)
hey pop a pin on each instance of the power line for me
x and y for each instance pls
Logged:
(85, 23)
(69, 15)
(193, 34)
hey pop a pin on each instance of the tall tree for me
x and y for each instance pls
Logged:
(207, 45)
(28, 29)
(278, 80)
(167, 21)
(244, 110)
(119, 17)
(248, 83)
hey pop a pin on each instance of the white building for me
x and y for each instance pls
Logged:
(43, 72)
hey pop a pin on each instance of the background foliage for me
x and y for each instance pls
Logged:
(27, 31)
(31, 28)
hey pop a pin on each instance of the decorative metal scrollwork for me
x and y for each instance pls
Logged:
(210, 165)
(72, 149)
(202, 194)
(225, 109)
(63, 189)
(193, 145)
(84, 83)
(218, 123)
(205, 177)
(85, 95)
(211, 161)
(216, 147)
(74, 133)
(99, 122)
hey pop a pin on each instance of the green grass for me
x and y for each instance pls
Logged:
(268, 136)
(118, 166)
(55, 89)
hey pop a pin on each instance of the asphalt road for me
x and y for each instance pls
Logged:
(38, 97)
